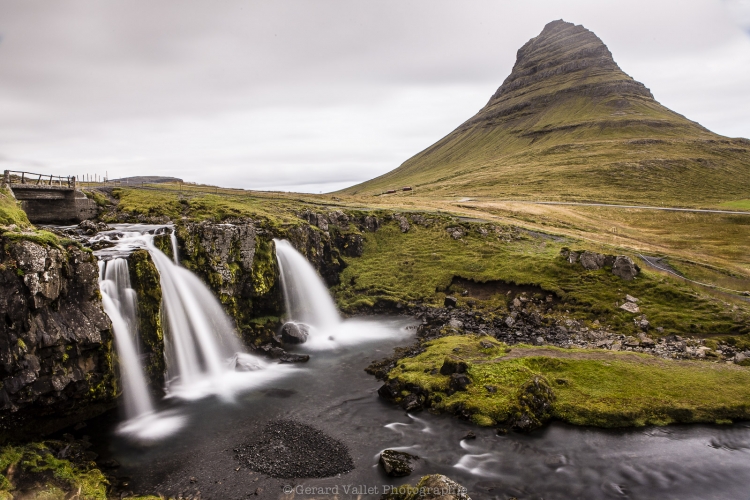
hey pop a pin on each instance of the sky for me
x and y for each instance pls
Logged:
(316, 95)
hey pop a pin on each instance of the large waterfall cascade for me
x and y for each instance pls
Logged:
(203, 354)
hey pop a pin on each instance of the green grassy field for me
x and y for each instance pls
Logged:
(591, 387)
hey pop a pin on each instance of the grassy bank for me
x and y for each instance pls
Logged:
(590, 387)
(419, 266)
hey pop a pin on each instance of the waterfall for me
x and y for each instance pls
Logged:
(173, 240)
(200, 343)
(120, 304)
(203, 355)
(306, 297)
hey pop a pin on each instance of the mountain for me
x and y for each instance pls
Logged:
(145, 179)
(569, 124)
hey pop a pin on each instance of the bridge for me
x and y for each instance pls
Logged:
(49, 199)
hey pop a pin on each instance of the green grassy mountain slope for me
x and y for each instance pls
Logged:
(569, 124)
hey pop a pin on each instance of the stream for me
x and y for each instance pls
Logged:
(332, 393)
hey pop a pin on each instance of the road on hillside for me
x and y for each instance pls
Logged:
(640, 207)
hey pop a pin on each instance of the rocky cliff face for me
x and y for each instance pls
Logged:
(144, 278)
(236, 259)
(55, 340)
(564, 60)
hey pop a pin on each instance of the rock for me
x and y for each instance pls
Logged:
(534, 405)
(450, 301)
(403, 224)
(294, 333)
(516, 304)
(273, 351)
(397, 463)
(290, 357)
(456, 323)
(630, 307)
(592, 261)
(459, 382)
(339, 218)
(740, 357)
(455, 232)
(646, 341)
(630, 298)
(643, 324)
(573, 257)
(55, 340)
(625, 268)
(485, 344)
(389, 390)
(453, 365)
(631, 342)
(433, 487)
(371, 223)
(509, 321)
(411, 403)
(244, 363)
(470, 435)
(491, 389)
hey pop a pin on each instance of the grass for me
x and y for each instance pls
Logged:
(56, 478)
(11, 212)
(418, 266)
(591, 387)
(174, 202)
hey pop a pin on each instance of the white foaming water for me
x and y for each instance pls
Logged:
(306, 296)
(120, 305)
(308, 301)
(203, 355)
(175, 251)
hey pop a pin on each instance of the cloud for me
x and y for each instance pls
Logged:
(296, 94)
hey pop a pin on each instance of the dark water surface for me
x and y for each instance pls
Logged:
(333, 393)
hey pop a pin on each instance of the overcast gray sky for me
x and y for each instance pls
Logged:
(314, 95)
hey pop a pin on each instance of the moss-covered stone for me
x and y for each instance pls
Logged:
(35, 471)
(144, 278)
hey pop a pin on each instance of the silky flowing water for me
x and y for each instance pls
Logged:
(333, 393)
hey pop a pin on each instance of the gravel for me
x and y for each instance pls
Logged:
(291, 449)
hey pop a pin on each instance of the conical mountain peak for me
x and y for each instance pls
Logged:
(568, 123)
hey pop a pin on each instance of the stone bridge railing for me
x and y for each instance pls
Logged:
(49, 199)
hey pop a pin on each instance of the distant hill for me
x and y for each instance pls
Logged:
(568, 123)
(146, 179)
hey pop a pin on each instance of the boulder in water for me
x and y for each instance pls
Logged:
(294, 333)
(397, 463)
(245, 363)
(290, 357)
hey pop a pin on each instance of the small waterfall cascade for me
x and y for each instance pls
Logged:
(306, 297)
(175, 250)
(120, 304)
(200, 343)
